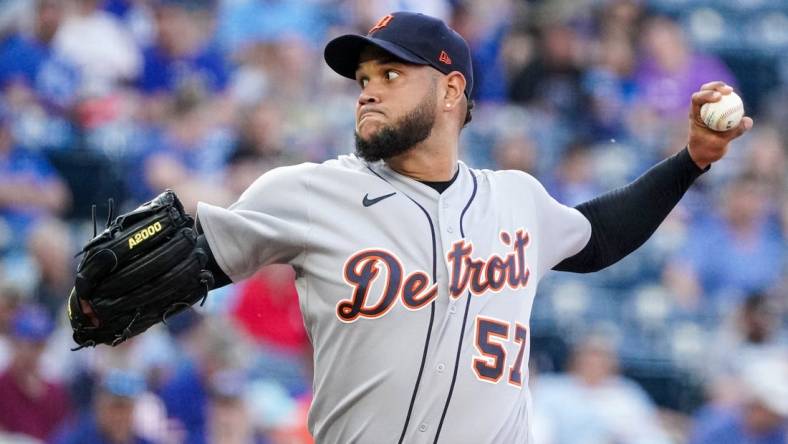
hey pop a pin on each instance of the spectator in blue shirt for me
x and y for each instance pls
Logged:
(762, 415)
(732, 254)
(210, 347)
(184, 56)
(185, 397)
(30, 61)
(110, 421)
(30, 188)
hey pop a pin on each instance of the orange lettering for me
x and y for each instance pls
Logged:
(382, 23)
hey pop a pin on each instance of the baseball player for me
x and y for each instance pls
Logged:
(416, 273)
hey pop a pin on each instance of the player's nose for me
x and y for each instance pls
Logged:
(367, 97)
(371, 93)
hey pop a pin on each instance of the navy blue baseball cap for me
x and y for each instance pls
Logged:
(411, 37)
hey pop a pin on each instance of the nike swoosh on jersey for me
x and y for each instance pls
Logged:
(369, 202)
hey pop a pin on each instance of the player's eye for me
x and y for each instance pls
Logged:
(391, 74)
(363, 82)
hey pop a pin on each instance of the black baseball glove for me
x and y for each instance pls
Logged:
(144, 267)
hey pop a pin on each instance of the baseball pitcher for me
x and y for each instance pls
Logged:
(416, 273)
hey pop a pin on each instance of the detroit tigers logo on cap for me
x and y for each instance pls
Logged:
(382, 23)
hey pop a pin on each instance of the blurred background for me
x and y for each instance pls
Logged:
(682, 342)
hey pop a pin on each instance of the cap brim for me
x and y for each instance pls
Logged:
(342, 53)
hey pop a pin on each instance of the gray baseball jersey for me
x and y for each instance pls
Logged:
(417, 303)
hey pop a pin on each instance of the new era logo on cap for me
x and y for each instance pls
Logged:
(444, 58)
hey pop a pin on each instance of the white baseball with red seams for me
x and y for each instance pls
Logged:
(724, 114)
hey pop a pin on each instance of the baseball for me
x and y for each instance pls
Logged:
(724, 114)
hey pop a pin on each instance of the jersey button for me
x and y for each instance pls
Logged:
(452, 309)
(441, 367)
(450, 229)
(423, 428)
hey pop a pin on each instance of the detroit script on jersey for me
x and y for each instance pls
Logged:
(417, 304)
(414, 290)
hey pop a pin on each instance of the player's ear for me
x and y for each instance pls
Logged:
(455, 90)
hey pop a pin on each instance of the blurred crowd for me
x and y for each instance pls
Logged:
(684, 341)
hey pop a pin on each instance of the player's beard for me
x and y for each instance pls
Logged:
(399, 137)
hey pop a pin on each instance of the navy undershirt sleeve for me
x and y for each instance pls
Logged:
(219, 276)
(623, 219)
